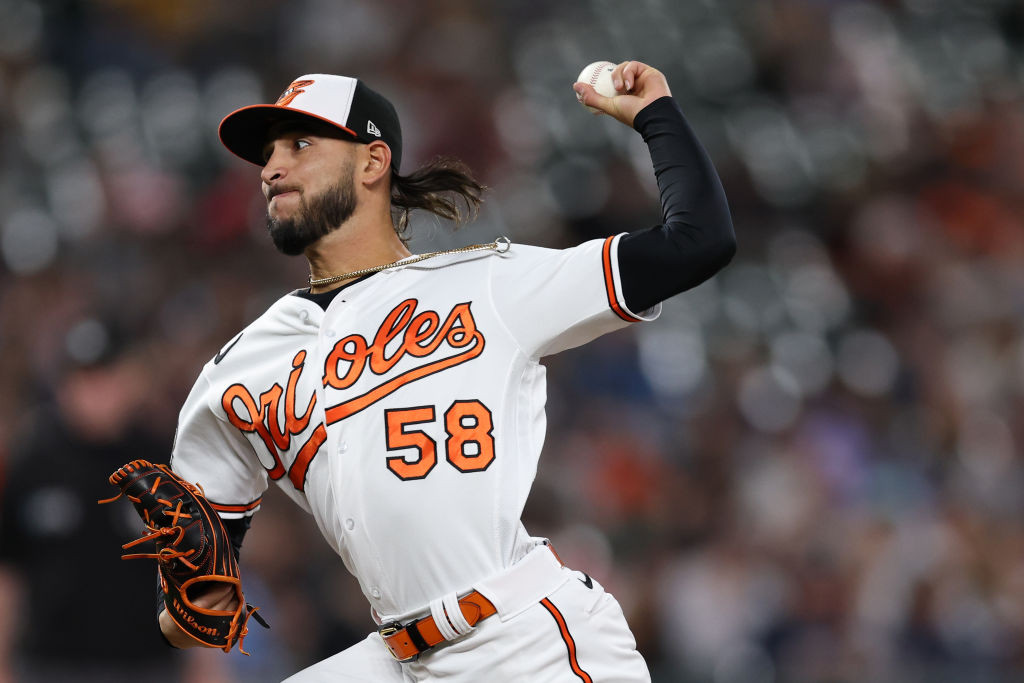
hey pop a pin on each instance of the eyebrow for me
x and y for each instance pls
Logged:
(278, 130)
(283, 128)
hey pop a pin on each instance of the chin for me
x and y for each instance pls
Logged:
(279, 215)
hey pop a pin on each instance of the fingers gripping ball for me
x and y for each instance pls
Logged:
(192, 550)
(599, 76)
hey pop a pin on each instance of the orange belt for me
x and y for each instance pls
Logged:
(408, 642)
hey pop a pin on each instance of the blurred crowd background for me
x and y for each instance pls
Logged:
(809, 470)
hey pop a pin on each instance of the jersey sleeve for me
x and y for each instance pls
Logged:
(555, 299)
(211, 452)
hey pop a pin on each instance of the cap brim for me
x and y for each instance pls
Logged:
(245, 131)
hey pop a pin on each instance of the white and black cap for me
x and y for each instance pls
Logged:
(345, 103)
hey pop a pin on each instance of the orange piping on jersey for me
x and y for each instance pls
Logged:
(237, 508)
(570, 644)
(353, 406)
(609, 283)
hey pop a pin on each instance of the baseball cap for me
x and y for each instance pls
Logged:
(345, 103)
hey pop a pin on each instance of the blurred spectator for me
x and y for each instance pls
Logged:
(61, 548)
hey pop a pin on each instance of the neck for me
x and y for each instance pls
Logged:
(359, 243)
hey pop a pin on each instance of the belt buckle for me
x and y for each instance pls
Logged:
(389, 629)
(386, 631)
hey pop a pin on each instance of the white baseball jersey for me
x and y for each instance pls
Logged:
(408, 417)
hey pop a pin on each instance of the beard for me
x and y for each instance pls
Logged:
(321, 215)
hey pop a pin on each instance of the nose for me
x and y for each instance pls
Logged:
(274, 169)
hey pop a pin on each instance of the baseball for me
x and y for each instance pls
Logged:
(598, 75)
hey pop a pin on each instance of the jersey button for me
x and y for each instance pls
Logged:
(375, 593)
(343, 446)
(350, 524)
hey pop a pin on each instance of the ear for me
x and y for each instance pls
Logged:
(376, 164)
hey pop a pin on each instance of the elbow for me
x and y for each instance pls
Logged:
(721, 253)
(728, 250)
(723, 247)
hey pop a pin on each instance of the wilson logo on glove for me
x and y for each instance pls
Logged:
(191, 547)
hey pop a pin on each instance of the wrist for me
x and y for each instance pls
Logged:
(662, 105)
(174, 636)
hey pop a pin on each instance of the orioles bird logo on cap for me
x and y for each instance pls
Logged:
(293, 91)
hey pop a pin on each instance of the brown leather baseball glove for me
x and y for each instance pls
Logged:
(192, 550)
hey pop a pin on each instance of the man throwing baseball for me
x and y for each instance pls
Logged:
(399, 398)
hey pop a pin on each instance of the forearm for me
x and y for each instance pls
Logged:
(696, 239)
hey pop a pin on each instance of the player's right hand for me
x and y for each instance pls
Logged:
(637, 84)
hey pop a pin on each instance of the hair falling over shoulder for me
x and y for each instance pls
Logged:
(444, 187)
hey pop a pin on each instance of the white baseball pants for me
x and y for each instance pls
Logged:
(575, 634)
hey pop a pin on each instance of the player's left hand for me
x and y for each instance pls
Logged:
(637, 84)
(196, 561)
(220, 597)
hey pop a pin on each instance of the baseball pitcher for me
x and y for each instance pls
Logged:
(399, 398)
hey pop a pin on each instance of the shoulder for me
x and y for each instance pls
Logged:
(508, 252)
(287, 323)
(529, 256)
(518, 260)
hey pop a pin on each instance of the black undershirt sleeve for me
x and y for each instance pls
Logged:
(696, 239)
(237, 529)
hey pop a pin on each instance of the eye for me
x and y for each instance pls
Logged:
(266, 152)
(301, 143)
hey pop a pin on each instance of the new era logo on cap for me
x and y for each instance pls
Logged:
(346, 103)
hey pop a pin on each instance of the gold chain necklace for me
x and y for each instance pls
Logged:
(500, 245)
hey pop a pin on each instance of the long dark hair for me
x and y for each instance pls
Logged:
(444, 187)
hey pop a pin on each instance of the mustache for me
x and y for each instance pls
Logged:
(280, 189)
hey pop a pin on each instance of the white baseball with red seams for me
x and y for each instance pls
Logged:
(599, 76)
